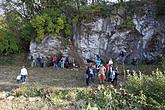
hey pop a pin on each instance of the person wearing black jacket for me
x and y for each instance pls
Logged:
(87, 76)
(134, 63)
(115, 80)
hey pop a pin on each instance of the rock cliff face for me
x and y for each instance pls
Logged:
(49, 46)
(146, 41)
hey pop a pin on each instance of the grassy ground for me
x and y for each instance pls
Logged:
(44, 77)
(47, 78)
(38, 78)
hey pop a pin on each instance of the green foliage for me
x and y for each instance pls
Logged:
(15, 33)
(13, 20)
(108, 98)
(95, 11)
(141, 92)
(102, 97)
(60, 24)
(26, 33)
(67, 29)
(162, 63)
(58, 17)
(52, 17)
(39, 23)
(52, 23)
(8, 42)
(127, 23)
(17, 58)
(3, 25)
(153, 87)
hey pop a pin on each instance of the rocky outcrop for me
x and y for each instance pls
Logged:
(146, 40)
(102, 37)
(50, 46)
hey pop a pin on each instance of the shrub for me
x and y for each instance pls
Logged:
(51, 21)
(108, 98)
(8, 42)
(162, 63)
(153, 87)
(127, 24)
(141, 92)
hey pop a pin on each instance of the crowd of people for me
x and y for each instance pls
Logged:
(97, 71)
(55, 61)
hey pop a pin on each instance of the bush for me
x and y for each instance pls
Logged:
(127, 24)
(162, 63)
(97, 98)
(153, 87)
(8, 42)
(141, 92)
(108, 98)
(51, 22)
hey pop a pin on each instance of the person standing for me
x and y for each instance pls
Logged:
(134, 63)
(62, 61)
(98, 62)
(55, 61)
(107, 69)
(66, 62)
(102, 70)
(94, 72)
(24, 74)
(42, 62)
(38, 60)
(33, 61)
(111, 72)
(87, 75)
(91, 73)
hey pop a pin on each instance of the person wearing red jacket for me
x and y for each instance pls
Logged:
(55, 61)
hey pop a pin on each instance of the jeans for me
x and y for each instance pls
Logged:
(55, 66)
(23, 78)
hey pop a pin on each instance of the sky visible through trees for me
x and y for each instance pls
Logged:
(2, 1)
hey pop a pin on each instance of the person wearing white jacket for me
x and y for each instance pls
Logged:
(23, 74)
